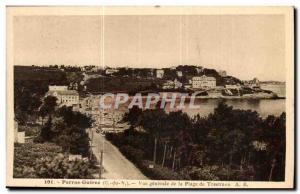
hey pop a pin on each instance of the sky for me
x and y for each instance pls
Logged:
(246, 46)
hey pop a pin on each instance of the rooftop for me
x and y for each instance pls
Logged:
(204, 77)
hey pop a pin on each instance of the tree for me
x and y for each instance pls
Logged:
(72, 118)
(26, 104)
(46, 131)
(74, 140)
(229, 144)
(153, 121)
(275, 137)
(71, 133)
(48, 106)
(178, 130)
(67, 129)
(74, 77)
(133, 116)
(232, 143)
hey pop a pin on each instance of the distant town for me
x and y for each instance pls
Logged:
(67, 83)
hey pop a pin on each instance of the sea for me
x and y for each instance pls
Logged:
(264, 107)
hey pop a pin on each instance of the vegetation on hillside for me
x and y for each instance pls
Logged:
(63, 133)
(230, 144)
(31, 84)
(67, 129)
(121, 84)
(47, 161)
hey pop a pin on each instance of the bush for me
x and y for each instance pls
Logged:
(25, 156)
(61, 167)
(134, 139)
(76, 142)
(133, 154)
(203, 173)
(46, 161)
(158, 172)
(38, 139)
(24, 172)
(67, 129)
(32, 130)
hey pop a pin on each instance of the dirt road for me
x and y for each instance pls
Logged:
(116, 166)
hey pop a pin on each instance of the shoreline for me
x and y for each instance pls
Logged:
(242, 97)
(253, 97)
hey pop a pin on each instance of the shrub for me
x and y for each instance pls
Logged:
(25, 156)
(203, 173)
(46, 161)
(61, 167)
(32, 130)
(24, 172)
(132, 153)
(38, 139)
(158, 172)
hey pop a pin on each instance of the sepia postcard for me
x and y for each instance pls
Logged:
(150, 97)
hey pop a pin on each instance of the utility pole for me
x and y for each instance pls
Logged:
(272, 168)
(90, 143)
(101, 148)
(173, 164)
(164, 156)
(101, 156)
(155, 147)
(101, 164)
(113, 117)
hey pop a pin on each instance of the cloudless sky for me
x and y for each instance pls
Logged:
(246, 46)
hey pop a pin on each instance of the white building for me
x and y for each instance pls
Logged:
(187, 86)
(179, 73)
(172, 84)
(63, 95)
(222, 73)
(168, 85)
(160, 73)
(255, 83)
(73, 86)
(110, 71)
(203, 82)
(16, 129)
(199, 69)
(19, 137)
(177, 84)
(57, 88)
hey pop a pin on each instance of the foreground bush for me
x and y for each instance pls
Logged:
(25, 156)
(61, 167)
(46, 161)
(203, 173)
(30, 130)
(133, 154)
(158, 172)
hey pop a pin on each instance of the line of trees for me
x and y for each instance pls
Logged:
(64, 127)
(230, 144)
